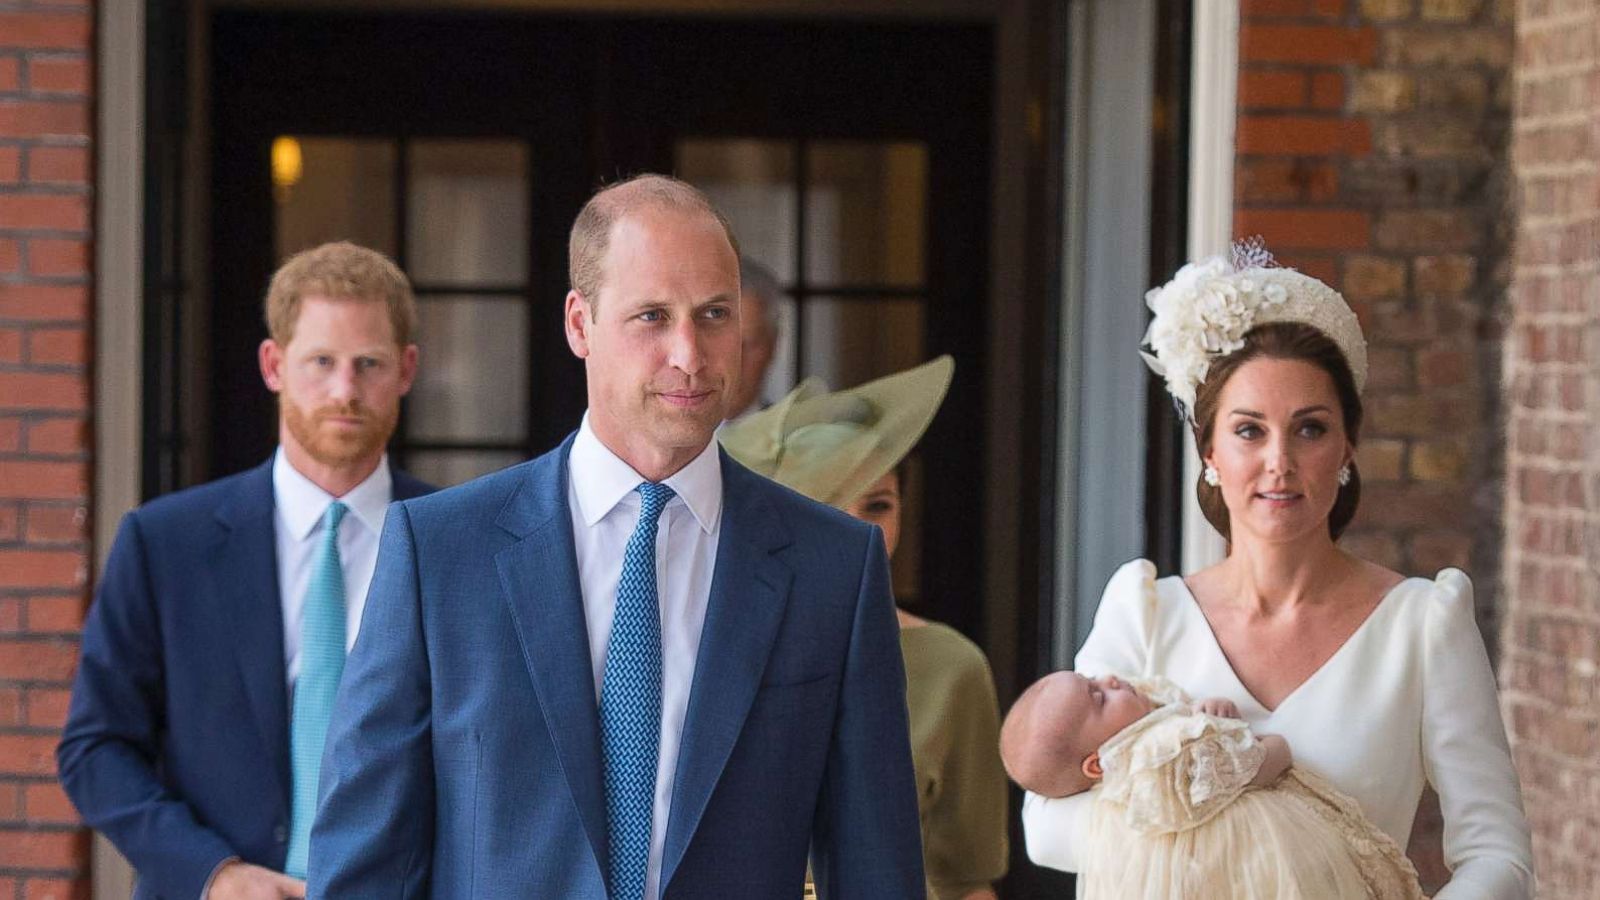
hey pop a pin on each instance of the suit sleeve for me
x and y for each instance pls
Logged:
(111, 742)
(1119, 643)
(866, 840)
(373, 835)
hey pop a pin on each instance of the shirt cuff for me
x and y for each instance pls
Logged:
(205, 890)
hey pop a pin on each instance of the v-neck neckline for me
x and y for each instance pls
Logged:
(1227, 664)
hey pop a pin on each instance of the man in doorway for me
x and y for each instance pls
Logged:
(630, 668)
(216, 642)
(758, 331)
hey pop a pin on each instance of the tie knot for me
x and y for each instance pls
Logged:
(653, 499)
(334, 516)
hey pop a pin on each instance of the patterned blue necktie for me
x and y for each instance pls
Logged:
(321, 663)
(630, 703)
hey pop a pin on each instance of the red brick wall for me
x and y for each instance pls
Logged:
(46, 110)
(1372, 154)
(1551, 638)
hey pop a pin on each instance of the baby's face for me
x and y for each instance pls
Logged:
(1094, 709)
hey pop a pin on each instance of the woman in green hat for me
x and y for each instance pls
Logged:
(845, 449)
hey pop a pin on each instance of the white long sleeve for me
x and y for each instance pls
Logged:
(1467, 757)
(1055, 827)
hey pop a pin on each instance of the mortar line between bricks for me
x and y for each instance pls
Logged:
(1541, 750)
(47, 189)
(41, 323)
(1559, 617)
(1548, 706)
(49, 234)
(42, 369)
(1554, 23)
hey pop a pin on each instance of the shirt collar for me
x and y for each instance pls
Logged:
(302, 503)
(601, 480)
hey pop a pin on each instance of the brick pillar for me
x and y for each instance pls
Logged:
(1551, 637)
(1371, 154)
(46, 107)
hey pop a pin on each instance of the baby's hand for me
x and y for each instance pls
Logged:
(1277, 760)
(1222, 709)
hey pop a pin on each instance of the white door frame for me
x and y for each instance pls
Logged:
(118, 247)
(1213, 114)
(1100, 502)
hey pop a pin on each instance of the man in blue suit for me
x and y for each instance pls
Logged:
(630, 668)
(215, 644)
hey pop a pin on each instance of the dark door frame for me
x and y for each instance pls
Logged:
(601, 97)
(1043, 56)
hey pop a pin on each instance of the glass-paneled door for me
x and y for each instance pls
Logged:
(454, 214)
(441, 142)
(853, 161)
(465, 145)
(843, 226)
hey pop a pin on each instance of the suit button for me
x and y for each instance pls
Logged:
(280, 834)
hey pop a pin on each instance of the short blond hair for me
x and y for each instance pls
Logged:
(591, 231)
(339, 270)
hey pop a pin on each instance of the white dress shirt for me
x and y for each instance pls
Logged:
(605, 510)
(300, 506)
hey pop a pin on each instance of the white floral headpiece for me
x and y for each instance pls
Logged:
(1204, 312)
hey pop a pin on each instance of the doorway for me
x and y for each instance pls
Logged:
(464, 144)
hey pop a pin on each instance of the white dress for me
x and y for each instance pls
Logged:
(1408, 700)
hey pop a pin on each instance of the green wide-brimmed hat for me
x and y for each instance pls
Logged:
(833, 446)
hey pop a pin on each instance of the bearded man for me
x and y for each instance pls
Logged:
(219, 630)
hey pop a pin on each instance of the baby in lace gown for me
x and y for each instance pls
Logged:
(1192, 804)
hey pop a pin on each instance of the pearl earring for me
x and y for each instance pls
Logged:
(1211, 476)
(1344, 475)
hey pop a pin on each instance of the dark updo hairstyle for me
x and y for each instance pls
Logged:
(1279, 340)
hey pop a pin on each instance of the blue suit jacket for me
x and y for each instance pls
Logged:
(176, 745)
(464, 759)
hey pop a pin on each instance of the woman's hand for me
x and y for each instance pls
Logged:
(1222, 709)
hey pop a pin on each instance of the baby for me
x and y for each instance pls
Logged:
(1190, 802)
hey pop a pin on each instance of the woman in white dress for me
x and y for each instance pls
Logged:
(1380, 683)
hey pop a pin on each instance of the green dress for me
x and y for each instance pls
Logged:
(955, 735)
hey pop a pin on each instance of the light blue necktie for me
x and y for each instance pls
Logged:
(630, 703)
(321, 663)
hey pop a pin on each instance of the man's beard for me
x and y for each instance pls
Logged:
(337, 448)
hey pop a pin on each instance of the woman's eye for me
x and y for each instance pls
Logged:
(1248, 432)
(1313, 429)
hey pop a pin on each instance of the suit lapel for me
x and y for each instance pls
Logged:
(253, 610)
(539, 575)
(749, 590)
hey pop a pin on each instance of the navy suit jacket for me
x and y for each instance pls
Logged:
(176, 745)
(464, 758)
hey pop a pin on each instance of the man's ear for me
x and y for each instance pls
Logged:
(408, 368)
(270, 356)
(1091, 767)
(578, 318)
